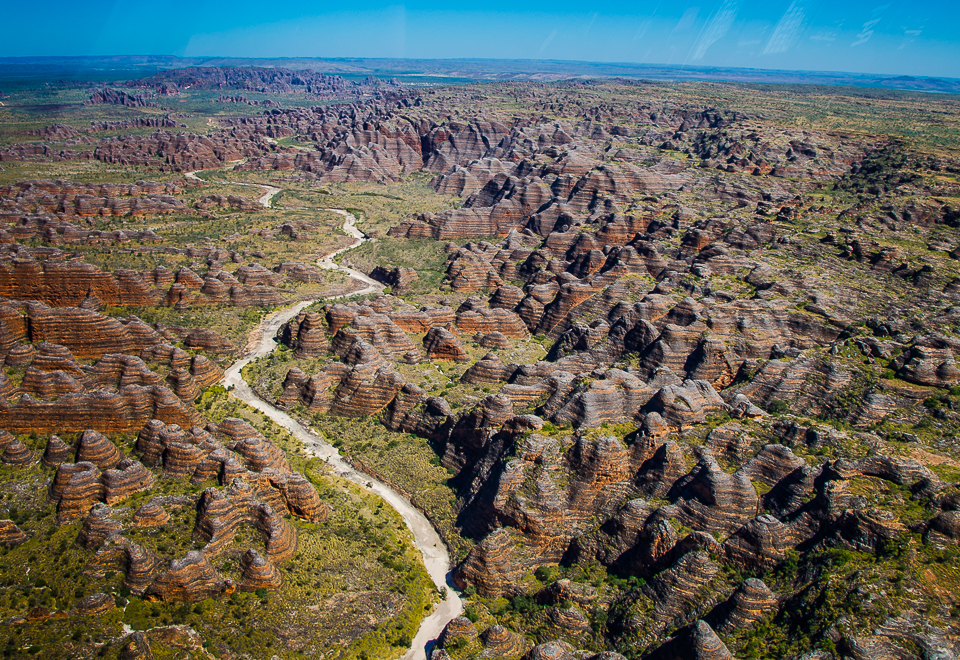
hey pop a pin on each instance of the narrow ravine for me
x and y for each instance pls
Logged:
(436, 556)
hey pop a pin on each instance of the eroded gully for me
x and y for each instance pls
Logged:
(436, 557)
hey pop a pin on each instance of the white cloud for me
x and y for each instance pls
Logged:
(786, 31)
(867, 30)
(590, 24)
(865, 33)
(909, 36)
(716, 29)
(546, 42)
(687, 19)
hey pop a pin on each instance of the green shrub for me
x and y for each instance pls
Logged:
(456, 644)
(777, 407)
(544, 574)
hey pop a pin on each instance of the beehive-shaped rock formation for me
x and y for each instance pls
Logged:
(129, 478)
(10, 534)
(489, 369)
(495, 339)
(682, 406)
(498, 642)
(258, 573)
(95, 605)
(103, 411)
(189, 579)
(398, 278)
(75, 489)
(142, 568)
(98, 525)
(57, 452)
(136, 647)
(762, 542)
(14, 452)
(750, 603)
(300, 496)
(151, 514)
(681, 586)
(492, 565)
(695, 642)
(95, 448)
(220, 514)
(713, 500)
(441, 344)
(458, 628)
(487, 320)
(555, 650)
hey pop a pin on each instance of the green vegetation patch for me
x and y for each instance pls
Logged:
(362, 559)
(405, 461)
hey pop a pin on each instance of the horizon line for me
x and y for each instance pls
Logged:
(674, 67)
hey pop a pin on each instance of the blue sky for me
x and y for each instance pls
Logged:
(914, 38)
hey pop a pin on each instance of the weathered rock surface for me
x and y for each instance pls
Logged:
(62, 283)
(258, 573)
(459, 628)
(697, 642)
(136, 647)
(10, 534)
(227, 202)
(77, 487)
(95, 448)
(398, 278)
(440, 344)
(14, 451)
(98, 525)
(645, 244)
(104, 411)
(95, 605)
(299, 272)
(189, 579)
(151, 514)
(500, 642)
(750, 603)
(220, 514)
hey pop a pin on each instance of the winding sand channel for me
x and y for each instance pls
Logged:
(436, 557)
(264, 199)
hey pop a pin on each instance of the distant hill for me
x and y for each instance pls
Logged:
(255, 79)
(268, 73)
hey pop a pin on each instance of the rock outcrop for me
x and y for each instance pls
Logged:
(441, 344)
(189, 579)
(10, 534)
(14, 452)
(77, 487)
(656, 282)
(95, 605)
(258, 573)
(697, 642)
(750, 603)
(399, 279)
(104, 411)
